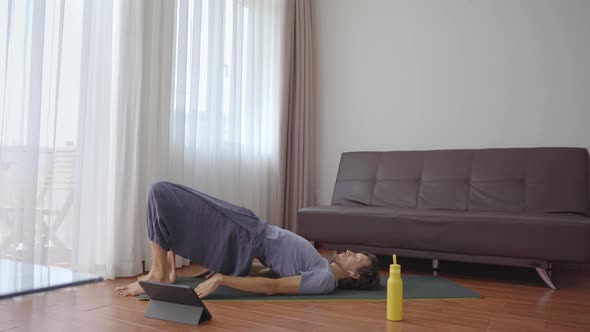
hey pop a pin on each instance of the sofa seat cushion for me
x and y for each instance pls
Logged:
(547, 236)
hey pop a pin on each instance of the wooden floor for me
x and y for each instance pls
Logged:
(514, 300)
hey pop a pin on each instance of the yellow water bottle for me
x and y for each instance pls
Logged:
(395, 289)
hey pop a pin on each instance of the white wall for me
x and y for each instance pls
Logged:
(431, 74)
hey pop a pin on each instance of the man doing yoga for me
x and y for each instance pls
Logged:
(225, 238)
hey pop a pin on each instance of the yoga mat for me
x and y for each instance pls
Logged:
(415, 287)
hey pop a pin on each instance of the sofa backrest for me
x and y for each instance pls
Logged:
(512, 179)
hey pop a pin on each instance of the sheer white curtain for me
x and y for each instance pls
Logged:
(100, 98)
(84, 97)
(123, 131)
(224, 125)
(40, 58)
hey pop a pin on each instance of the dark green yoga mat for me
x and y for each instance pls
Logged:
(415, 287)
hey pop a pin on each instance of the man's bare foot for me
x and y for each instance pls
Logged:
(134, 288)
(171, 277)
(171, 261)
(171, 258)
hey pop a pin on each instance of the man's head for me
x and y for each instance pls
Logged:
(361, 269)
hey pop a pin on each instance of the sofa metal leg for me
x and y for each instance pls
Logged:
(545, 275)
(435, 267)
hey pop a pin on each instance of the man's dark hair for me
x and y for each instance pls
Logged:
(368, 276)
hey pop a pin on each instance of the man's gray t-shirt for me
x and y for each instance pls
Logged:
(288, 254)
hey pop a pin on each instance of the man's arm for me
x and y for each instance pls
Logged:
(289, 285)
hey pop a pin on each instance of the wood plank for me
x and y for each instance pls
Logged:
(310, 315)
(505, 307)
(261, 316)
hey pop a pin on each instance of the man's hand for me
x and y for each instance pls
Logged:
(209, 286)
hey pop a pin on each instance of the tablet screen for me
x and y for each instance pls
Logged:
(180, 294)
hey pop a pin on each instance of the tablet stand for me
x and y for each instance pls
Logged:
(175, 312)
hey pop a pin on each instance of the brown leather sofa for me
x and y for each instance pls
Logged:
(518, 206)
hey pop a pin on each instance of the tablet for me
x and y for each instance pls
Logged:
(176, 294)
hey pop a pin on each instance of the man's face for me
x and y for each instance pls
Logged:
(350, 262)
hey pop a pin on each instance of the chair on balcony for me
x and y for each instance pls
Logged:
(54, 200)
